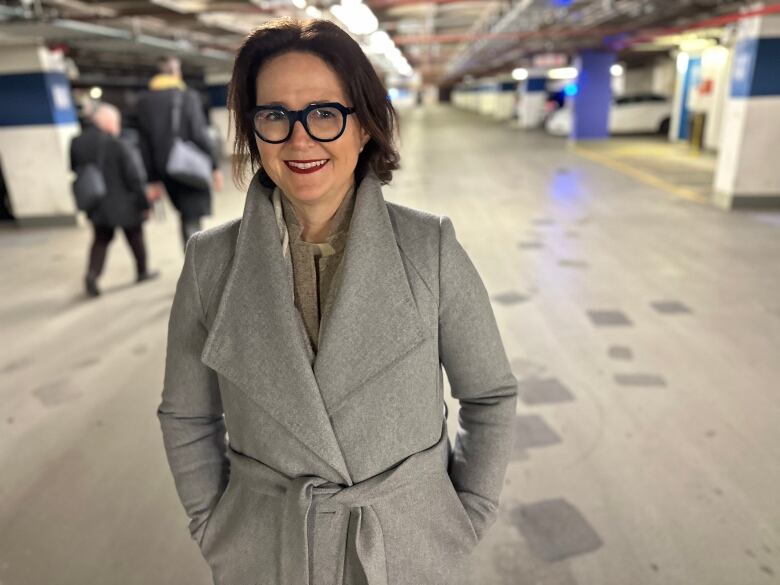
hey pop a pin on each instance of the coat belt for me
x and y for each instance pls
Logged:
(365, 560)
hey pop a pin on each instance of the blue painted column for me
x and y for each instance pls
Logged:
(747, 175)
(532, 99)
(594, 96)
(37, 123)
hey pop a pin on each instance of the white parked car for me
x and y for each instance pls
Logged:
(641, 113)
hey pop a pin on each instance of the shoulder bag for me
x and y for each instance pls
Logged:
(186, 163)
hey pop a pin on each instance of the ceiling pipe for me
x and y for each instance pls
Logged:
(578, 32)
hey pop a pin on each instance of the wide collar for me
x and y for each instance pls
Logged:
(255, 341)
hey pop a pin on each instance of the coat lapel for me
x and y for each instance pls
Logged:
(255, 341)
(373, 320)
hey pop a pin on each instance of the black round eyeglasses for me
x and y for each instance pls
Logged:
(323, 122)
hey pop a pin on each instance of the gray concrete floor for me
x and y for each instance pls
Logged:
(644, 329)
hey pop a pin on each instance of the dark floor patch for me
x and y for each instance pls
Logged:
(571, 234)
(86, 363)
(620, 352)
(530, 245)
(767, 570)
(750, 553)
(712, 434)
(531, 432)
(543, 221)
(98, 423)
(654, 567)
(510, 298)
(609, 318)
(640, 380)
(10, 420)
(670, 307)
(55, 393)
(543, 391)
(16, 365)
(139, 349)
(567, 263)
(555, 530)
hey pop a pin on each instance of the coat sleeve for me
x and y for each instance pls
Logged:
(190, 413)
(133, 174)
(145, 142)
(481, 379)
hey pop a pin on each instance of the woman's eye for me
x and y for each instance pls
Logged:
(272, 116)
(323, 114)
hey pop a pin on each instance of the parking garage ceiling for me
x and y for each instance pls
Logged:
(443, 40)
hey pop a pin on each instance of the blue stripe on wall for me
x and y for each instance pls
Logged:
(755, 72)
(34, 99)
(217, 95)
(692, 77)
(536, 84)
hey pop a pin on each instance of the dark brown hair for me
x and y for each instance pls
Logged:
(361, 83)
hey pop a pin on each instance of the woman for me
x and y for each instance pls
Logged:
(318, 324)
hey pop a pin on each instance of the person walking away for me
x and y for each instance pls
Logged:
(124, 204)
(155, 111)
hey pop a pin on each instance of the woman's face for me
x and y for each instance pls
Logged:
(296, 80)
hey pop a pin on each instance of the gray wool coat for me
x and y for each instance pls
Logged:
(359, 433)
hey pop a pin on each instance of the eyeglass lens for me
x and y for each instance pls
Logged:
(324, 124)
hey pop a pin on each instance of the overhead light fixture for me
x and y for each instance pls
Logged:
(380, 42)
(96, 93)
(300, 4)
(313, 11)
(617, 70)
(356, 16)
(520, 74)
(563, 73)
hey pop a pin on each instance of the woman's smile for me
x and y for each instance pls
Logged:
(306, 167)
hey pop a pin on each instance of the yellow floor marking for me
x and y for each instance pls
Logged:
(642, 176)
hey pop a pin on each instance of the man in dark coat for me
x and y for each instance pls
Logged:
(155, 125)
(125, 204)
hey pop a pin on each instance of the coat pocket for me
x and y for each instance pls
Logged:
(241, 539)
(427, 532)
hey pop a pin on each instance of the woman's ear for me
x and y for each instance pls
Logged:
(364, 138)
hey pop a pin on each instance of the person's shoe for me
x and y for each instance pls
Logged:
(90, 283)
(144, 276)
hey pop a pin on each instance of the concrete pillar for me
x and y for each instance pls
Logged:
(532, 99)
(594, 96)
(747, 175)
(37, 123)
(217, 87)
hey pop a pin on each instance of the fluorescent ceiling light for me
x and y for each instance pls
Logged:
(520, 74)
(313, 11)
(356, 16)
(300, 4)
(380, 42)
(563, 73)
(182, 6)
(96, 93)
(616, 70)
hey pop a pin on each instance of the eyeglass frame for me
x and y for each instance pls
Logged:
(294, 116)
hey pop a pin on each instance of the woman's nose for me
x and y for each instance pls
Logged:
(299, 135)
